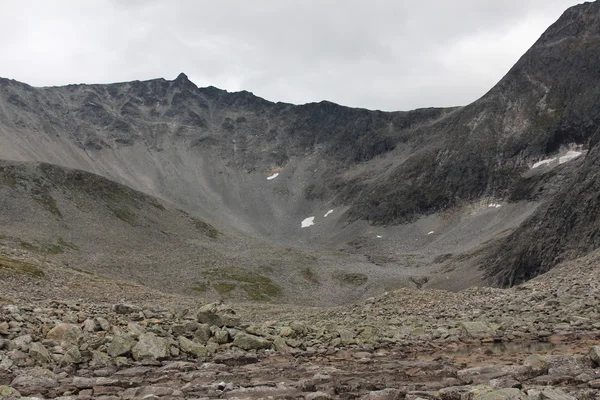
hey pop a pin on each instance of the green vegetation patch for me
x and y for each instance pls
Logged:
(21, 268)
(206, 228)
(125, 215)
(224, 289)
(256, 286)
(200, 287)
(70, 245)
(354, 279)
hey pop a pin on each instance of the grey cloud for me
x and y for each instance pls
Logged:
(375, 54)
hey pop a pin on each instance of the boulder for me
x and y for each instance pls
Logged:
(65, 334)
(120, 345)
(38, 352)
(250, 342)
(151, 347)
(6, 392)
(191, 347)
(35, 380)
(477, 329)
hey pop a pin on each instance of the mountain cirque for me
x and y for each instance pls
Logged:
(160, 240)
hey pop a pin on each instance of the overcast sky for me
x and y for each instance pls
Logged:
(386, 54)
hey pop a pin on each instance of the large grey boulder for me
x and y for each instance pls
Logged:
(151, 347)
(35, 380)
(250, 342)
(120, 345)
(65, 334)
(196, 349)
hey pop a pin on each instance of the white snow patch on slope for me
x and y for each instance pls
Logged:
(379, 236)
(308, 222)
(275, 175)
(327, 213)
(543, 162)
(430, 232)
(495, 205)
(571, 155)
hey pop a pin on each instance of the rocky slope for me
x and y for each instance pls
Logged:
(535, 341)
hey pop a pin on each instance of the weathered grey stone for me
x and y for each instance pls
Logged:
(207, 314)
(191, 347)
(4, 328)
(150, 346)
(6, 392)
(126, 309)
(318, 396)
(486, 393)
(221, 336)
(250, 342)
(120, 345)
(38, 352)
(537, 363)
(477, 329)
(555, 394)
(202, 333)
(89, 325)
(71, 356)
(103, 323)
(594, 355)
(65, 333)
(35, 380)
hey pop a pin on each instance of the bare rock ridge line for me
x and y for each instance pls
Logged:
(410, 190)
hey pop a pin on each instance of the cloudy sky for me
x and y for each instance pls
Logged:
(377, 54)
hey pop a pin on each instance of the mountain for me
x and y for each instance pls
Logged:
(437, 197)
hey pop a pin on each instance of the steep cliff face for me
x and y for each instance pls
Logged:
(250, 165)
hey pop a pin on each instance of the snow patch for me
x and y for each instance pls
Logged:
(495, 205)
(571, 155)
(308, 222)
(275, 175)
(430, 232)
(379, 236)
(543, 162)
(327, 213)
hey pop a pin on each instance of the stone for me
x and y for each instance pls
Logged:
(125, 309)
(99, 360)
(4, 328)
(555, 394)
(120, 345)
(476, 329)
(537, 363)
(6, 392)
(486, 393)
(250, 342)
(65, 333)
(38, 352)
(151, 347)
(594, 355)
(317, 396)
(71, 356)
(221, 336)
(207, 314)
(35, 380)
(89, 325)
(202, 333)
(188, 346)
(103, 323)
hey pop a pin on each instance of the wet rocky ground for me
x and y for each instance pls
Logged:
(540, 340)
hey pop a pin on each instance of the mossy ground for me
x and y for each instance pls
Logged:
(21, 268)
(227, 281)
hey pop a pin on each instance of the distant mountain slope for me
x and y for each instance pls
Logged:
(210, 152)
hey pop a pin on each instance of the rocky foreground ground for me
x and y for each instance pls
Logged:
(540, 340)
